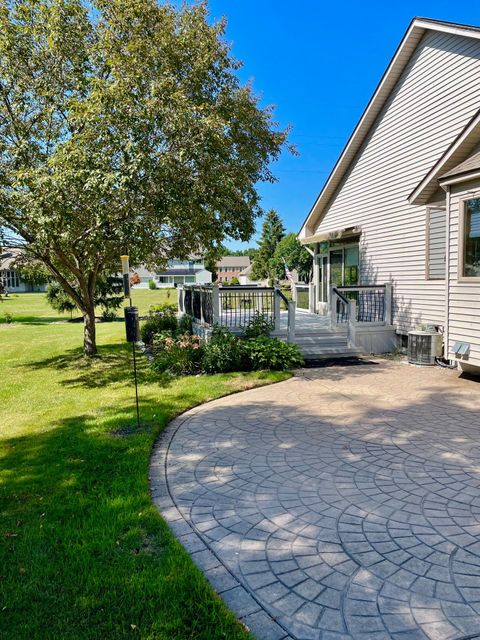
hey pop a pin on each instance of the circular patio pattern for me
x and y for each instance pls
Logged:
(343, 503)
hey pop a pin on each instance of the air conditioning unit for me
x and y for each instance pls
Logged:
(424, 347)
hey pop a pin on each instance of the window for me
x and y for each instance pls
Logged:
(10, 278)
(436, 243)
(471, 239)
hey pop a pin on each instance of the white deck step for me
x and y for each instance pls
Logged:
(316, 338)
(330, 352)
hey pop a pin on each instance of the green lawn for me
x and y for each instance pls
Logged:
(33, 307)
(83, 552)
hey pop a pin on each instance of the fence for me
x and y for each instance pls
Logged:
(238, 305)
(369, 304)
(234, 306)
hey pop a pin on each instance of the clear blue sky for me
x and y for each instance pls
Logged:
(319, 63)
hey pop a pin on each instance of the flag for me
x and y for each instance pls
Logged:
(288, 273)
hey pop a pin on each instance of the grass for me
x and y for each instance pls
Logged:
(84, 553)
(33, 307)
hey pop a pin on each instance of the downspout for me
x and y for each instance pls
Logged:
(447, 274)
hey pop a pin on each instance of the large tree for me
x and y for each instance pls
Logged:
(123, 127)
(290, 252)
(272, 232)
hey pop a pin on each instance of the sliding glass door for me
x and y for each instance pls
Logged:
(344, 266)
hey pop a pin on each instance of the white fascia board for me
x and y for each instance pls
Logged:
(408, 44)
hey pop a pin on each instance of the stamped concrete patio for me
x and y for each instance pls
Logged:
(343, 503)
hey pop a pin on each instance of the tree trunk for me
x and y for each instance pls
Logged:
(89, 332)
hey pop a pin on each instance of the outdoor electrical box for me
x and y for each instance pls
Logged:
(131, 324)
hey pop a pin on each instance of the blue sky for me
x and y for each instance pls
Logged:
(319, 62)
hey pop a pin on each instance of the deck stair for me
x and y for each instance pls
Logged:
(316, 339)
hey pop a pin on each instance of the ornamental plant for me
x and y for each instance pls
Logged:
(224, 352)
(271, 353)
(179, 356)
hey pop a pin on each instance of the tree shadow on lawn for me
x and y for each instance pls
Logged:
(84, 552)
(112, 365)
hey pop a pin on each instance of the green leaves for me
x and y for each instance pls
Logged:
(272, 232)
(123, 125)
(290, 251)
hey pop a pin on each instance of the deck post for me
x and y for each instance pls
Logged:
(292, 305)
(313, 306)
(311, 297)
(388, 303)
(276, 309)
(333, 306)
(216, 304)
(294, 292)
(180, 299)
(352, 312)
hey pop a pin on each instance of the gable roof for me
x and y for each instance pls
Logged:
(234, 261)
(467, 166)
(462, 147)
(8, 257)
(415, 32)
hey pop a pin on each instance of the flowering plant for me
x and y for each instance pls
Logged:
(181, 355)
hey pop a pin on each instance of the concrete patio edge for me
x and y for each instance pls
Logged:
(240, 600)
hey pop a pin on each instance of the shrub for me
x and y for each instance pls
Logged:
(152, 284)
(156, 323)
(8, 317)
(271, 353)
(258, 325)
(163, 307)
(108, 315)
(185, 324)
(224, 352)
(234, 281)
(179, 356)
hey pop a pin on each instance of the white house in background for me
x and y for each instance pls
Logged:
(10, 278)
(191, 271)
(402, 203)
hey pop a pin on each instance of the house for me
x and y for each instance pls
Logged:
(190, 271)
(10, 279)
(402, 204)
(231, 267)
(245, 277)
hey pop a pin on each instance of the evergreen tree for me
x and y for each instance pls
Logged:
(272, 232)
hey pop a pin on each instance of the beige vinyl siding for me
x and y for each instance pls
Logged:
(464, 296)
(435, 97)
(436, 240)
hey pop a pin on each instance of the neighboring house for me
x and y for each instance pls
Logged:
(402, 204)
(9, 276)
(245, 276)
(191, 271)
(231, 267)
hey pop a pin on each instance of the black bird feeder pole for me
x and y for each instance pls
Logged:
(131, 324)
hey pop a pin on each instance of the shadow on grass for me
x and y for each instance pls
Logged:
(84, 552)
(112, 365)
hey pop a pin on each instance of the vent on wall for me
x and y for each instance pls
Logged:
(424, 347)
(461, 349)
